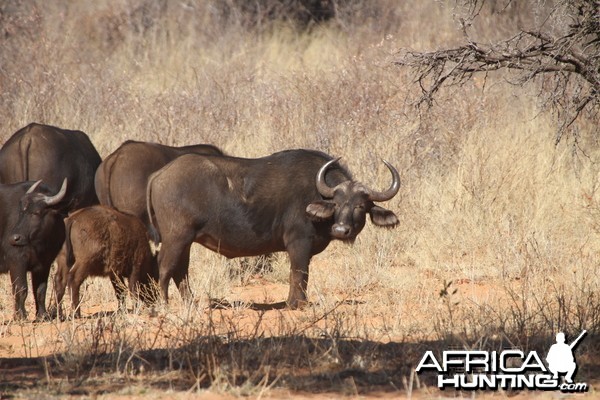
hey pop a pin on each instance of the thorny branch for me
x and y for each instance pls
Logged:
(567, 59)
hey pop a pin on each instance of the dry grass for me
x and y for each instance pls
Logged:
(487, 202)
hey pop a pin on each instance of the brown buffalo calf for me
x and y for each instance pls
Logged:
(101, 241)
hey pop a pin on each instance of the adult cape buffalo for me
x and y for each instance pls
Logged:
(35, 254)
(122, 177)
(52, 154)
(295, 201)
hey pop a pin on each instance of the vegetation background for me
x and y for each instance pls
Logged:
(499, 234)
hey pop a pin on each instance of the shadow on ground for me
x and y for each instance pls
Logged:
(297, 363)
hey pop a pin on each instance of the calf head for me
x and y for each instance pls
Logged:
(39, 217)
(347, 204)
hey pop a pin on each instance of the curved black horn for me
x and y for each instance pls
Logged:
(33, 187)
(52, 200)
(391, 191)
(322, 187)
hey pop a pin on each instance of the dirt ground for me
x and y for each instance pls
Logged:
(34, 357)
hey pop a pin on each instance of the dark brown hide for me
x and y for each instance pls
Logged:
(122, 177)
(36, 255)
(51, 154)
(247, 207)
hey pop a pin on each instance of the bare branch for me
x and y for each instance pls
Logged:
(571, 57)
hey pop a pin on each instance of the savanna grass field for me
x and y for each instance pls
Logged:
(499, 237)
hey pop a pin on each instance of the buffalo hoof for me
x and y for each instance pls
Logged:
(53, 312)
(295, 304)
(20, 316)
(44, 317)
(56, 313)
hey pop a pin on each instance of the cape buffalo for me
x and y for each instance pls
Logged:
(52, 154)
(101, 241)
(122, 177)
(34, 254)
(295, 201)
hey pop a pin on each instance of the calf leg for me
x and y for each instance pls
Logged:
(142, 288)
(76, 277)
(60, 284)
(118, 283)
(134, 284)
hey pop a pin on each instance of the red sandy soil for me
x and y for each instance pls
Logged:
(22, 340)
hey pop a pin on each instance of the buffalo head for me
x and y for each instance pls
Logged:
(38, 216)
(347, 204)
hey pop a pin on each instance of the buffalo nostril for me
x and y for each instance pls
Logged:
(341, 230)
(16, 239)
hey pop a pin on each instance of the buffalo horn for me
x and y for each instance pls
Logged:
(392, 190)
(52, 200)
(322, 187)
(33, 187)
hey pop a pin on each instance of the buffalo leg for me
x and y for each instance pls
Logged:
(142, 287)
(118, 283)
(173, 261)
(39, 283)
(181, 276)
(76, 277)
(134, 284)
(60, 284)
(299, 254)
(18, 279)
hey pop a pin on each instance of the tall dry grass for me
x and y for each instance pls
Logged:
(487, 201)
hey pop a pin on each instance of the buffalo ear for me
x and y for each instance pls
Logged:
(320, 210)
(382, 217)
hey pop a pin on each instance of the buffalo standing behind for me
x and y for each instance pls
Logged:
(51, 154)
(121, 178)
